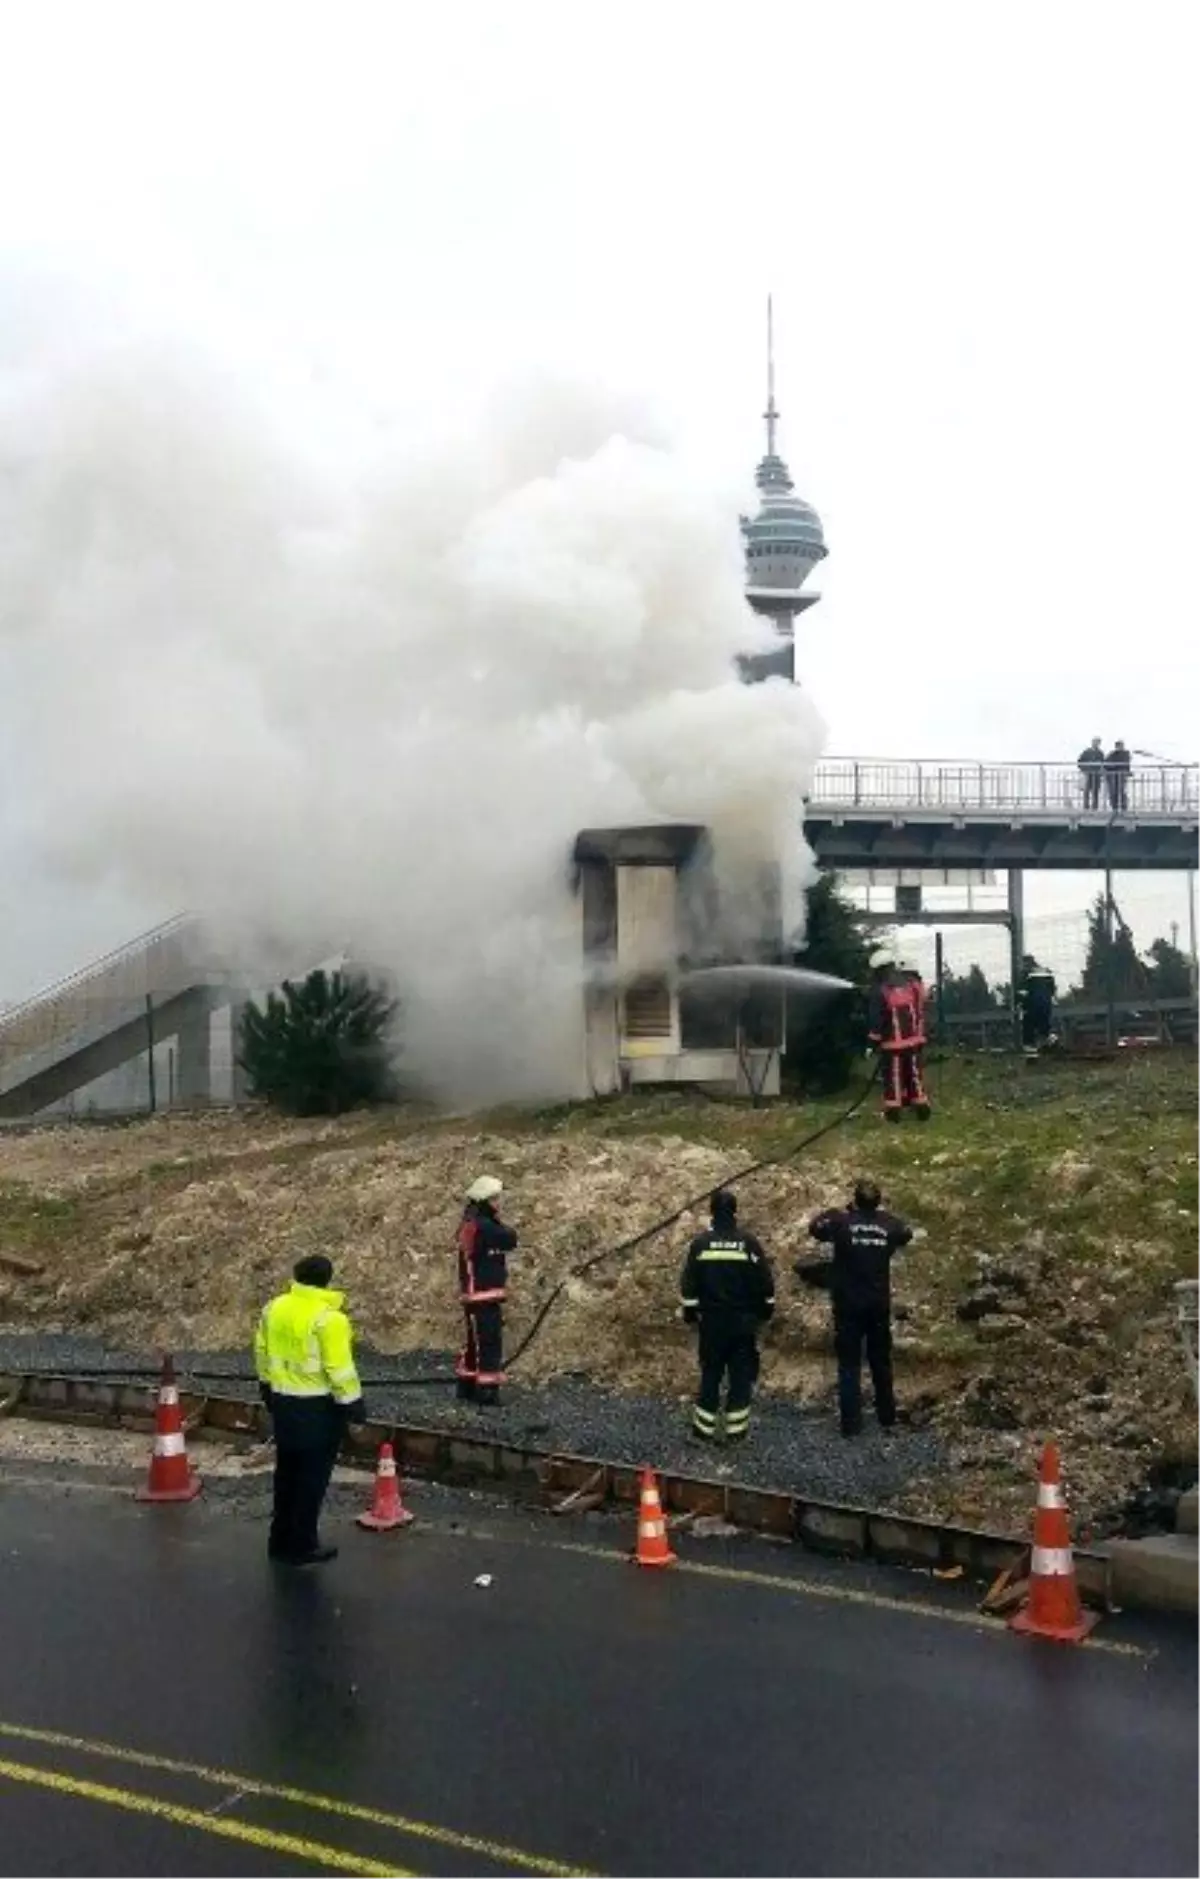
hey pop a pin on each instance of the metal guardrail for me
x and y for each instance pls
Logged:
(1155, 792)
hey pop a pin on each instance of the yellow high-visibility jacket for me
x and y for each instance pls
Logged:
(304, 1346)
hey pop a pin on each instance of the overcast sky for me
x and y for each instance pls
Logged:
(978, 224)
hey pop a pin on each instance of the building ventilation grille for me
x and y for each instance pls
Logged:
(648, 1009)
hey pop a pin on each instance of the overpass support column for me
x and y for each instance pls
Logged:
(193, 1078)
(1016, 936)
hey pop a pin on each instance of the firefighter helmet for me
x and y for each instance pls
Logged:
(485, 1188)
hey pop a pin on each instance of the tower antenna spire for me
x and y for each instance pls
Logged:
(771, 414)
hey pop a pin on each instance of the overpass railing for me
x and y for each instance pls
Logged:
(1163, 791)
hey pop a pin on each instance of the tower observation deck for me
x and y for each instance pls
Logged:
(784, 543)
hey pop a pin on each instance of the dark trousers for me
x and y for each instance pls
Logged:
(854, 1326)
(903, 1081)
(1093, 780)
(1118, 789)
(308, 1435)
(481, 1364)
(1036, 1018)
(728, 1348)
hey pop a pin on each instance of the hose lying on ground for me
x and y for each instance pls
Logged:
(616, 1251)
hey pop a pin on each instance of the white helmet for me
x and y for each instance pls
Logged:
(485, 1188)
(880, 957)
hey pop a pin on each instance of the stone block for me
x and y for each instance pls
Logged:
(1159, 1573)
(839, 1530)
(1186, 1514)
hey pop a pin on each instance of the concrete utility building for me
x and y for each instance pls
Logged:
(647, 898)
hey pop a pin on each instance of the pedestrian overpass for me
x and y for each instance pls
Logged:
(164, 985)
(885, 812)
(861, 812)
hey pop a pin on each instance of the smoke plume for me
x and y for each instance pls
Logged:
(363, 694)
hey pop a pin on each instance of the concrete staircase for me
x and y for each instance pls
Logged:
(166, 983)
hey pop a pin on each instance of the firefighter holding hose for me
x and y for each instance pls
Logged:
(897, 1031)
(484, 1243)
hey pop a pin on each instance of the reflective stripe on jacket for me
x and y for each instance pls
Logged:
(304, 1346)
(483, 1245)
(727, 1272)
(897, 1020)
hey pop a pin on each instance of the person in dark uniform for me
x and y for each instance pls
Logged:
(1091, 767)
(1118, 765)
(863, 1237)
(484, 1243)
(728, 1289)
(1036, 994)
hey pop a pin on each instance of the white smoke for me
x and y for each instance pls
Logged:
(366, 697)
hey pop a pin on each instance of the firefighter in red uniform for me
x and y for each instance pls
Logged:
(484, 1243)
(897, 1030)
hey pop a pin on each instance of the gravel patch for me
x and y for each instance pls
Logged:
(794, 1448)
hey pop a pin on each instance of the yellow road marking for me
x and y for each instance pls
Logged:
(220, 1826)
(492, 1850)
(843, 1594)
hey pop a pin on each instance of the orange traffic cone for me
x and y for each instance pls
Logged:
(652, 1548)
(1054, 1609)
(171, 1477)
(387, 1510)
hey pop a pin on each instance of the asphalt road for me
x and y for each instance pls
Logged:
(753, 1711)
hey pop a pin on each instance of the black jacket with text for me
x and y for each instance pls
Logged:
(863, 1244)
(727, 1274)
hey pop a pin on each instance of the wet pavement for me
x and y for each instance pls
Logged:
(754, 1711)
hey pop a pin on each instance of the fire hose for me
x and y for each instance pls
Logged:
(578, 1271)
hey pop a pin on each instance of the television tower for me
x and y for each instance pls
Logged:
(784, 543)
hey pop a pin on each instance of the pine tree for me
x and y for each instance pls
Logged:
(1112, 969)
(322, 1047)
(965, 996)
(1170, 970)
(825, 1040)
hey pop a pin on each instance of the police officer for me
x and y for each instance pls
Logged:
(864, 1238)
(728, 1289)
(304, 1354)
(484, 1243)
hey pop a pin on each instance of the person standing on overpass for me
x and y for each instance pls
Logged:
(1118, 764)
(1091, 766)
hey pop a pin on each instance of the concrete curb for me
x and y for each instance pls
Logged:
(545, 1477)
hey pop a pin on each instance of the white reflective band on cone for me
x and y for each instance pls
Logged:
(1050, 1494)
(387, 1467)
(168, 1445)
(651, 1529)
(168, 1396)
(1052, 1562)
